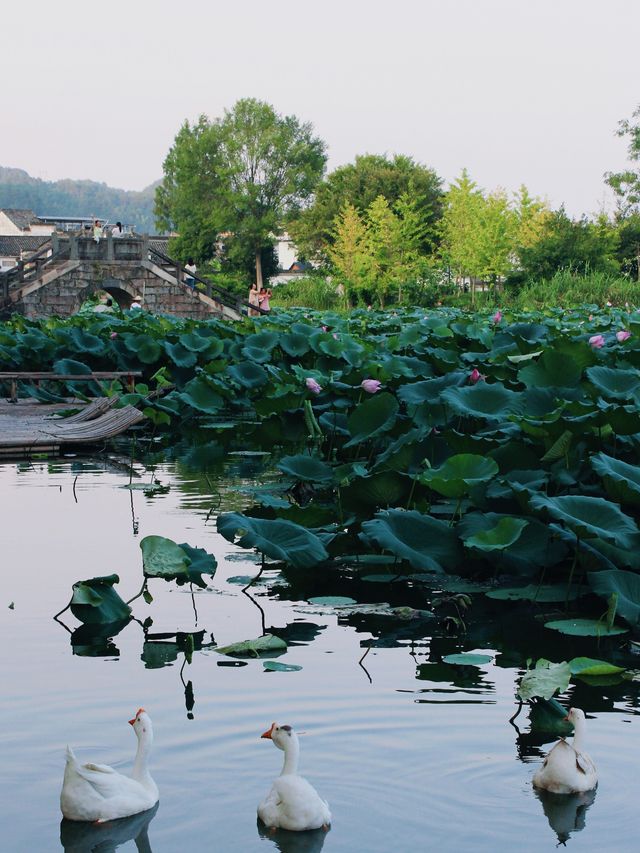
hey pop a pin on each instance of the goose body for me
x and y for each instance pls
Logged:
(97, 792)
(568, 769)
(292, 803)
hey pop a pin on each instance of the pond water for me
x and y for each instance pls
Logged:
(411, 753)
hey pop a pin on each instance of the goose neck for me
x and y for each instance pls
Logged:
(291, 756)
(579, 732)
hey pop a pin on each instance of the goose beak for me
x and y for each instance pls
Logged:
(267, 734)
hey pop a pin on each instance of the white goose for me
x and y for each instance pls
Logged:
(568, 769)
(97, 792)
(292, 803)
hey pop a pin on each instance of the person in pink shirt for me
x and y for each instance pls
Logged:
(263, 299)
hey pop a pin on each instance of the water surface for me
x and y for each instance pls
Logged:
(412, 754)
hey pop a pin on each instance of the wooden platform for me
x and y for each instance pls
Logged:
(27, 427)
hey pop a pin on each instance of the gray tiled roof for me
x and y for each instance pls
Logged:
(20, 218)
(10, 247)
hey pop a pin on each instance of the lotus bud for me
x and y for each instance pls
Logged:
(312, 385)
(623, 335)
(596, 341)
(371, 385)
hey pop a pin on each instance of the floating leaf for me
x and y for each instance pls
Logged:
(467, 659)
(332, 600)
(533, 592)
(544, 680)
(254, 648)
(584, 628)
(276, 666)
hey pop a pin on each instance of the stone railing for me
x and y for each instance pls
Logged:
(107, 248)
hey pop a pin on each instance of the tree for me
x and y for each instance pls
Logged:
(580, 245)
(241, 176)
(359, 184)
(460, 227)
(626, 184)
(349, 253)
(495, 237)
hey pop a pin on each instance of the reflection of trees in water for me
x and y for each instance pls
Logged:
(566, 813)
(82, 837)
(311, 841)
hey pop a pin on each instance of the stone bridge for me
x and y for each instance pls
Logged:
(68, 270)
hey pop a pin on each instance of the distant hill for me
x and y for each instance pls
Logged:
(77, 198)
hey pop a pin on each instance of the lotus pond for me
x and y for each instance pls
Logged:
(422, 518)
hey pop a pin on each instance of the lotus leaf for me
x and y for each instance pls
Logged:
(248, 375)
(459, 474)
(266, 644)
(425, 542)
(613, 382)
(144, 347)
(95, 601)
(308, 469)
(372, 417)
(534, 592)
(201, 395)
(625, 585)
(332, 600)
(279, 539)
(429, 391)
(180, 355)
(484, 400)
(545, 679)
(294, 344)
(68, 366)
(554, 369)
(589, 666)
(621, 480)
(505, 533)
(276, 666)
(590, 517)
(467, 659)
(584, 628)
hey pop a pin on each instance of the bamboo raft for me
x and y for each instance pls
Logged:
(27, 427)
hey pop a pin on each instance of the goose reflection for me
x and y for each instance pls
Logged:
(80, 837)
(311, 841)
(566, 813)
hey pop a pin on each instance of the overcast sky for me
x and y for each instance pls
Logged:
(515, 90)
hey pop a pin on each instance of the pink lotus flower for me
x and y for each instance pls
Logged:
(325, 328)
(371, 385)
(312, 385)
(476, 376)
(497, 317)
(113, 335)
(596, 341)
(590, 317)
(335, 336)
(623, 335)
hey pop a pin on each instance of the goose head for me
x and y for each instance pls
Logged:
(575, 715)
(281, 736)
(142, 724)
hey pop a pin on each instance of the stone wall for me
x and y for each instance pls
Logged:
(63, 289)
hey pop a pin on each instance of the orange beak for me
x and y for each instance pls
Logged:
(138, 712)
(267, 734)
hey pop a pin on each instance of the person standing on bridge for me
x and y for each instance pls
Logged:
(116, 230)
(97, 230)
(191, 269)
(263, 298)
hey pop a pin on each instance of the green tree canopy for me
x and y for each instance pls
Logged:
(239, 176)
(626, 184)
(359, 184)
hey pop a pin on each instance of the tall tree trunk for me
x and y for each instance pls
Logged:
(258, 268)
